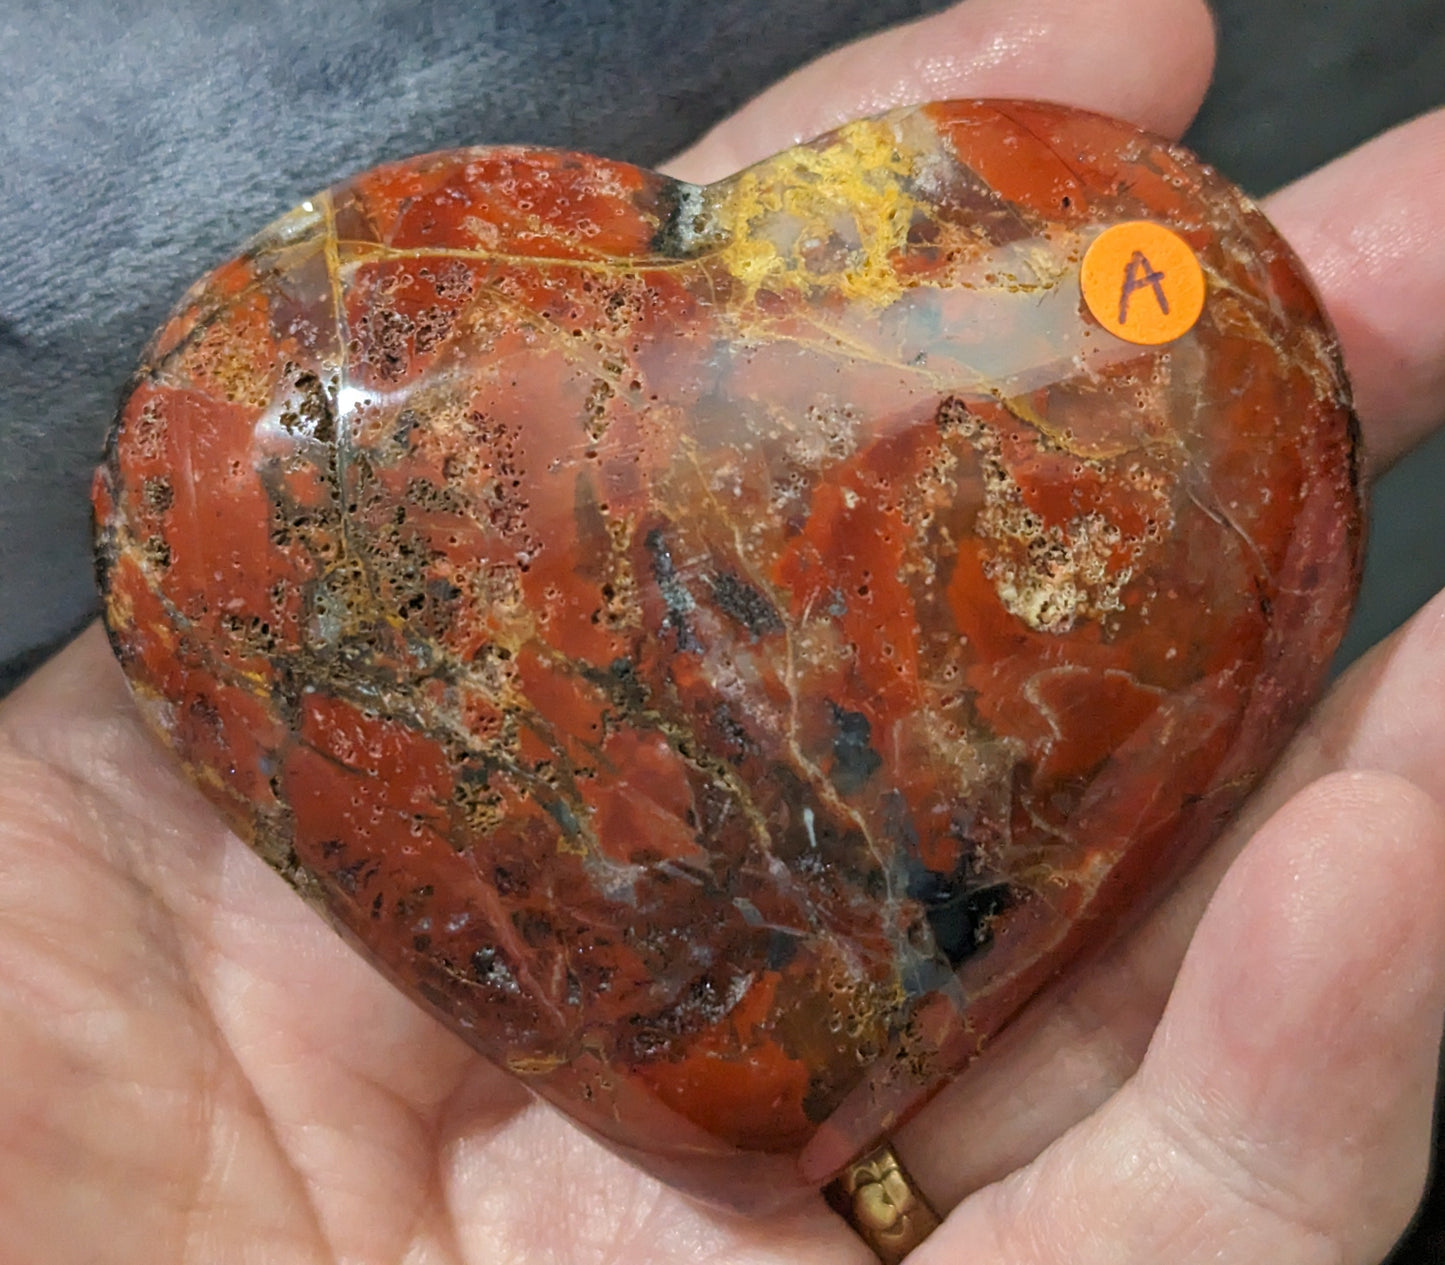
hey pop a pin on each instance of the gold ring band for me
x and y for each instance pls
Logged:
(877, 1197)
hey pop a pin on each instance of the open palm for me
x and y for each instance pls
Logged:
(193, 1068)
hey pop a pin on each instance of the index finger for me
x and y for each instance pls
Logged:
(1370, 228)
(1146, 61)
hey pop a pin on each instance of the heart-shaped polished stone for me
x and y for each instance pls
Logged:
(724, 648)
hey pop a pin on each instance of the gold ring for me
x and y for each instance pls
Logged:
(877, 1197)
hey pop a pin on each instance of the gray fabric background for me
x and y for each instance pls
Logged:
(140, 141)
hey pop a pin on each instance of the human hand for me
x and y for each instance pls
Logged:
(196, 1069)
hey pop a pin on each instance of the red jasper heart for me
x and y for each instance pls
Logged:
(723, 649)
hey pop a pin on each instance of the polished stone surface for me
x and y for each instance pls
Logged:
(723, 649)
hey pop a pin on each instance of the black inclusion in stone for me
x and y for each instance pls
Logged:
(675, 595)
(854, 760)
(686, 227)
(743, 603)
(961, 921)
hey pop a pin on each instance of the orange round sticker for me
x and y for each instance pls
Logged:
(1142, 282)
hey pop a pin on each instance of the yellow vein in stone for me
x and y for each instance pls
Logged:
(821, 785)
(839, 345)
(578, 351)
(740, 788)
(366, 251)
(507, 762)
(341, 441)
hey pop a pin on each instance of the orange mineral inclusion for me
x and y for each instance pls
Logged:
(724, 649)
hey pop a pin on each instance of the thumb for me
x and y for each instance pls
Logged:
(1283, 1110)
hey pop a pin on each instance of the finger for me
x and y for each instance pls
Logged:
(1283, 1110)
(1370, 228)
(1080, 1040)
(1148, 61)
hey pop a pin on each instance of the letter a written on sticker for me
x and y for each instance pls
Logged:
(1140, 274)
